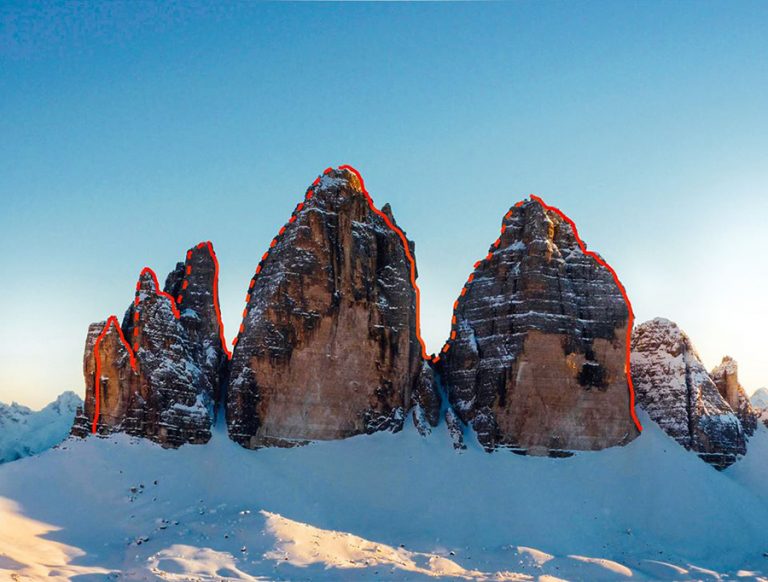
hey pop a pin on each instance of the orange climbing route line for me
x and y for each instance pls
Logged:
(97, 388)
(593, 255)
(132, 350)
(406, 248)
(158, 291)
(387, 221)
(216, 307)
(620, 285)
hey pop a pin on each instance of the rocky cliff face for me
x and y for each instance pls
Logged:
(759, 403)
(537, 356)
(726, 378)
(328, 347)
(426, 400)
(156, 375)
(673, 386)
(194, 286)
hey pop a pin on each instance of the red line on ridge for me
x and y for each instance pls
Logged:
(97, 380)
(408, 255)
(388, 222)
(216, 306)
(131, 350)
(152, 274)
(600, 261)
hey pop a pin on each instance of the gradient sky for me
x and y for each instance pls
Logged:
(130, 132)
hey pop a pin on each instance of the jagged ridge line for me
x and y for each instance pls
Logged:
(131, 351)
(591, 254)
(408, 255)
(216, 306)
(372, 206)
(97, 384)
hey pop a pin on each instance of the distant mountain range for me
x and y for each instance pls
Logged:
(25, 432)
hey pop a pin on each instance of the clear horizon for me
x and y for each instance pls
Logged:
(130, 132)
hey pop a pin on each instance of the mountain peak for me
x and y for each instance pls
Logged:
(540, 326)
(678, 393)
(25, 432)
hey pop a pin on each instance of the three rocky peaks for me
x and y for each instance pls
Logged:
(329, 345)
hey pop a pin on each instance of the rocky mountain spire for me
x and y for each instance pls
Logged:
(156, 375)
(726, 378)
(536, 361)
(329, 344)
(108, 401)
(194, 286)
(673, 386)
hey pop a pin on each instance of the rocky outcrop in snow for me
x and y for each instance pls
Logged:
(726, 378)
(427, 401)
(328, 347)
(673, 386)
(537, 356)
(159, 371)
(759, 403)
(25, 432)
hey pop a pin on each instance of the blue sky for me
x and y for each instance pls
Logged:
(131, 131)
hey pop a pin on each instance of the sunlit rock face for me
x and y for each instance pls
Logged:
(537, 358)
(158, 371)
(117, 383)
(673, 386)
(726, 378)
(328, 347)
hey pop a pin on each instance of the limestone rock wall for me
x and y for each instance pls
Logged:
(726, 378)
(673, 386)
(157, 374)
(328, 346)
(536, 361)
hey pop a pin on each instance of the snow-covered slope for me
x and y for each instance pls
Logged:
(25, 432)
(381, 506)
(752, 470)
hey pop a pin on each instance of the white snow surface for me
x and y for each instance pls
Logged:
(390, 506)
(25, 432)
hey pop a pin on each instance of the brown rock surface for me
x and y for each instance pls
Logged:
(118, 379)
(328, 347)
(726, 378)
(537, 357)
(155, 372)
